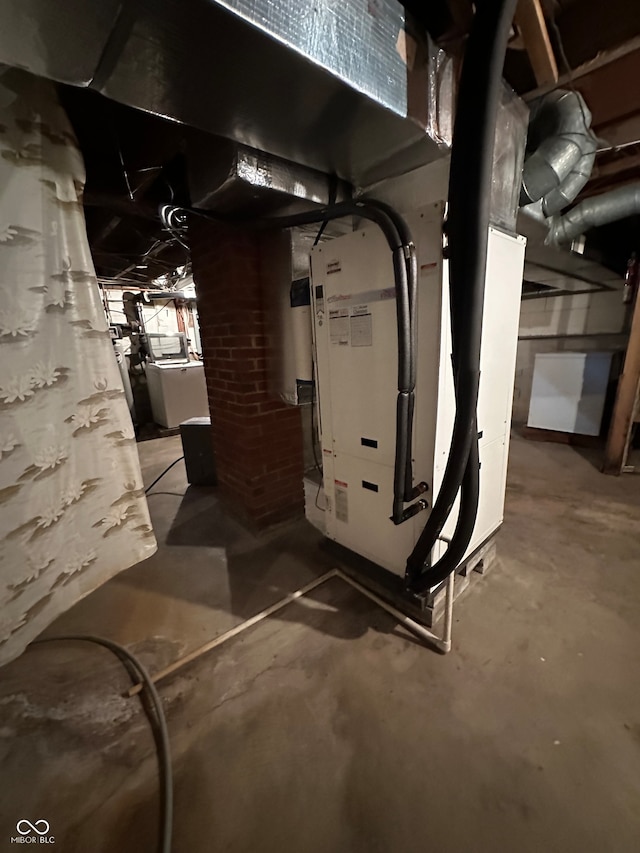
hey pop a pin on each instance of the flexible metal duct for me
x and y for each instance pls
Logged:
(563, 151)
(599, 210)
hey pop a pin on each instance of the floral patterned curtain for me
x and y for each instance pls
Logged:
(72, 506)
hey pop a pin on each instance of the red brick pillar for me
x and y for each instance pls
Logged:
(257, 438)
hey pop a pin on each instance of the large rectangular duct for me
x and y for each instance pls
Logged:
(348, 88)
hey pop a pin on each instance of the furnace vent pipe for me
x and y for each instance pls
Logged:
(599, 210)
(564, 150)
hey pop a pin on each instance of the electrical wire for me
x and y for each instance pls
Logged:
(160, 476)
(317, 464)
(621, 147)
(158, 724)
(166, 211)
(568, 69)
(178, 239)
(333, 198)
(124, 170)
(159, 311)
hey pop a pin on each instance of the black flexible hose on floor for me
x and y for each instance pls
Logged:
(467, 228)
(160, 476)
(164, 749)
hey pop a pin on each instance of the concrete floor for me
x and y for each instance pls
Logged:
(327, 728)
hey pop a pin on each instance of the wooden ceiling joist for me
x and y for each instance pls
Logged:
(602, 60)
(530, 21)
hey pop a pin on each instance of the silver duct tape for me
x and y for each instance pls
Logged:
(508, 159)
(440, 93)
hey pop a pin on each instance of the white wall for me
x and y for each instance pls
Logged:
(579, 323)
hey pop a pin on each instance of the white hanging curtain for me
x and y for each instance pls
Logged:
(72, 506)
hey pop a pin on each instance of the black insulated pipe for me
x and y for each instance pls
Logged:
(405, 268)
(400, 466)
(411, 261)
(403, 318)
(467, 229)
(469, 499)
(409, 493)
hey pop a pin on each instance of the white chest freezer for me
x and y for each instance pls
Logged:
(177, 392)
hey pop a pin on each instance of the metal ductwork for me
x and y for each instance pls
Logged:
(235, 180)
(599, 210)
(562, 151)
(350, 89)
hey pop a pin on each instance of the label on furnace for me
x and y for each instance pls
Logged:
(342, 504)
(361, 326)
(339, 327)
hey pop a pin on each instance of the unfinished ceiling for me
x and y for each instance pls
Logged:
(134, 163)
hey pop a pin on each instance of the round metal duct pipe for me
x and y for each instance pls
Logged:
(563, 151)
(599, 210)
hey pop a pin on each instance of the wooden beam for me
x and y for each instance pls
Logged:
(622, 133)
(615, 455)
(611, 164)
(606, 57)
(613, 174)
(589, 26)
(530, 21)
(611, 93)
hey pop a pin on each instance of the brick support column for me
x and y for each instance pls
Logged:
(257, 438)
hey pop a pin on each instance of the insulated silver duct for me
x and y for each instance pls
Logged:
(347, 88)
(563, 151)
(599, 210)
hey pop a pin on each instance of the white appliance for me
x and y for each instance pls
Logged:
(177, 392)
(355, 337)
(167, 347)
(120, 349)
(569, 391)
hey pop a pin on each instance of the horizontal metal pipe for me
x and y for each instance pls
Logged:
(599, 210)
(443, 643)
